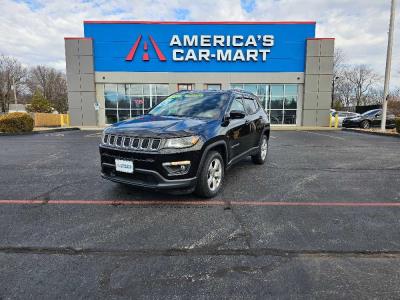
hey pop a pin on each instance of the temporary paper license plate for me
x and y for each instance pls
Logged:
(125, 166)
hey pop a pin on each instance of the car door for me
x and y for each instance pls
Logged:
(238, 130)
(377, 118)
(254, 120)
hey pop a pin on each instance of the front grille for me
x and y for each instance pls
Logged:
(145, 144)
(118, 143)
(105, 139)
(130, 142)
(155, 144)
(127, 142)
(112, 140)
(135, 143)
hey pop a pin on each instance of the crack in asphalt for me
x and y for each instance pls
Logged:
(45, 196)
(202, 251)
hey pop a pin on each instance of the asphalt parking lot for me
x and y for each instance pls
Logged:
(320, 219)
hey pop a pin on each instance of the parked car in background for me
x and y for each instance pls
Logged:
(371, 118)
(187, 141)
(341, 116)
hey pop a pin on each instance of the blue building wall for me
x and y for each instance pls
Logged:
(113, 42)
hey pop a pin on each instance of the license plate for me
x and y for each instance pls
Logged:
(125, 166)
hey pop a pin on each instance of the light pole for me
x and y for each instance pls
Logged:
(15, 91)
(388, 65)
(333, 90)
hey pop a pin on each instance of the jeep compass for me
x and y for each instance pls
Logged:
(186, 142)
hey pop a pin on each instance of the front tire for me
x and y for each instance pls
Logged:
(211, 175)
(262, 153)
(365, 124)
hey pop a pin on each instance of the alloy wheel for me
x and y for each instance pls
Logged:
(264, 148)
(214, 174)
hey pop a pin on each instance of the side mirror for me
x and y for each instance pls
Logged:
(237, 114)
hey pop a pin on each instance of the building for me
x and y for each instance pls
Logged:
(121, 69)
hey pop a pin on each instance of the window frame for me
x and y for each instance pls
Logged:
(187, 84)
(254, 101)
(239, 98)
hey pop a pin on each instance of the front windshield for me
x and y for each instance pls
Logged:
(196, 105)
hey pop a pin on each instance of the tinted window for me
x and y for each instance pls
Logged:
(192, 104)
(237, 105)
(371, 112)
(250, 106)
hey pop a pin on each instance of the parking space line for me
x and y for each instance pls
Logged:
(95, 135)
(327, 135)
(198, 203)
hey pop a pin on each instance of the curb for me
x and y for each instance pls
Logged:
(372, 132)
(41, 131)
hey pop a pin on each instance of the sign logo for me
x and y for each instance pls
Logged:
(205, 47)
(145, 56)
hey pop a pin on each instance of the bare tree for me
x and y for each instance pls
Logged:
(374, 96)
(12, 75)
(341, 90)
(52, 84)
(344, 91)
(363, 78)
(338, 62)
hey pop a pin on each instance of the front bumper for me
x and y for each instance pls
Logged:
(148, 169)
(160, 183)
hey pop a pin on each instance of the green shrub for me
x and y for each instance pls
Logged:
(397, 124)
(16, 122)
(39, 104)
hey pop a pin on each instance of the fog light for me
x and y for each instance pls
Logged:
(177, 167)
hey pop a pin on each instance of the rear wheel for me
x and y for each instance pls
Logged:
(211, 175)
(365, 124)
(261, 155)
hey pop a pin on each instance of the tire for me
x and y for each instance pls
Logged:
(365, 124)
(262, 153)
(211, 175)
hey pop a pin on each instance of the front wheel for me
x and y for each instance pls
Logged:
(261, 155)
(211, 175)
(365, 124)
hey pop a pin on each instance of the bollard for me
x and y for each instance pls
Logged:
(336, 120)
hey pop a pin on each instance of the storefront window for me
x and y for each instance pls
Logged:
(279, 100)
(185, 86)
(124, 101)
(213, 86)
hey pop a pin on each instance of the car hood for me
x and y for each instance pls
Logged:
(160, 126)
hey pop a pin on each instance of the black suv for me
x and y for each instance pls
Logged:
(187, 141)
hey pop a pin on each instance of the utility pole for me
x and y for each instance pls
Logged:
(388, 65)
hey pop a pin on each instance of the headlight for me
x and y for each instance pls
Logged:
(183, 142)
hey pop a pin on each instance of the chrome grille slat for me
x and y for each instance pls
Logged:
(135, 143)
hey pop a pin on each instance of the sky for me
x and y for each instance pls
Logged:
(33, 30)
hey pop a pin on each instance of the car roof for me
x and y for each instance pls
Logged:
(229, 91)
